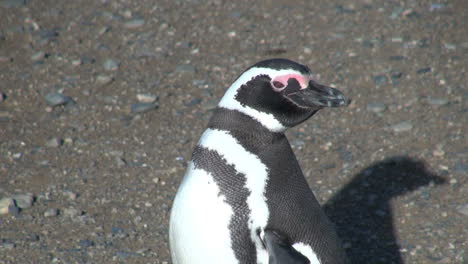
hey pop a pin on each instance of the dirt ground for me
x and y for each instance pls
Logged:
(101, 103)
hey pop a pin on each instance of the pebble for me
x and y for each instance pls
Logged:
(143, 107)
(6, 205)
(461, 168)
(54, 143)
(111, 65)
(5, 59)
(396, 75)
(134, 23)
(55, 99)
(121, 162)
(380, 79)
(376, 107)
(463, 209)
(102, 79)
(146, 98)
(8, 245)
(424, 70)
(70, 195)
(402, 127)
(84, 243)
(2, 97)
(5, 116)
(433, 7)
(185, 69)
(51, 212)
(12, 3)
(437, 101)
(23, 201)
(72, 212)
(38, 56)
(193, 102)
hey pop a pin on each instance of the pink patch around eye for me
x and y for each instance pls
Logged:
(280, 82)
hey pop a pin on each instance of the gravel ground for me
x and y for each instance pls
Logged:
(101, 103)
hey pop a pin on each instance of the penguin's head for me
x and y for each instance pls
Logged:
(279, 93)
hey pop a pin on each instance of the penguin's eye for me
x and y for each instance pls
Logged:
(278, 85)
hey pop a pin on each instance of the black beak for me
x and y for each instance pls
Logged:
(317, 95)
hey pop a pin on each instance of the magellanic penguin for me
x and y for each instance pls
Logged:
(244, 198)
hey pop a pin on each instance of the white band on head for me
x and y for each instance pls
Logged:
(229, 101)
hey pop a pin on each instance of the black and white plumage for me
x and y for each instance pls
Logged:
(244, 198)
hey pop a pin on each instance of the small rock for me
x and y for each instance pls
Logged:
(2, 97)
(396, 12)
(396, 75)
(433, 7)
(102, 79)
(461, 168)
(463, 209)
(134, 23)
(55, 99)
(376, 107)
(380, 79)
(185, 69)
(76, 62)
(38, 56)
(84, 243)
(297, 143)
(51, 212)
(7, 245)
(70, 195)
(437, 101)
(6, 205)
(121, 162)
(5, 59)
(23, 201)
(402, 127)
(110, 65)
(193, 102)
(397, 58)
(424, 70)
(143, 107)
(5, 116)
(54, 143)
(72, 212)
(146, 98)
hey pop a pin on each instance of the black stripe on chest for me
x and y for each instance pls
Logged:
(231, 185)
(292, 205)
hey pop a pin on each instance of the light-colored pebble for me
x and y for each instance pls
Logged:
(143, 107)
(51, 212)
(437, 101)
(5, 205)
(146, 98)
(70, 195)
(102, 79)
(54, 143)
(134, 23)
(463, 209)
(38, 56)
(55, 99)
(402, 127)
(376, 107)
(71, 212)
(111, 65)
(23, 201)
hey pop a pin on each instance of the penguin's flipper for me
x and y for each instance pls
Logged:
(280, 251)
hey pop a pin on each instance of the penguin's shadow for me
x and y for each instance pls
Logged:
(362, 212)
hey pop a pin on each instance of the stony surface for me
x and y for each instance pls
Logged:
(103, 177)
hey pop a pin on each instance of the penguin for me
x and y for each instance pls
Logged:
(244, 198)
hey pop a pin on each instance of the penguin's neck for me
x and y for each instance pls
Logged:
(251, 133)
